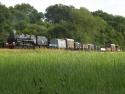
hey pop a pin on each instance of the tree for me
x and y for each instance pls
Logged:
(5, 25)
(115, 28)
(58, 12)
(30, 12)
(35, 29)
(59, 31)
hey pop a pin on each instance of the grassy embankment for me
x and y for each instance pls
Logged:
(61, 72)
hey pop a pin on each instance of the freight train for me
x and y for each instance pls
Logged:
(33, 41)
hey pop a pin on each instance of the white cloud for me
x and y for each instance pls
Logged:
(111, 6)
(115, 7)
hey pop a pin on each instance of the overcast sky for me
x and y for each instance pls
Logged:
(116, 7)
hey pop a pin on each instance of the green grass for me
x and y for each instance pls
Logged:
(61, 72)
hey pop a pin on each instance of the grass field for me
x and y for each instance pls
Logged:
(61, 72)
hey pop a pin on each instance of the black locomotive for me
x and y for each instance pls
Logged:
(26, 41)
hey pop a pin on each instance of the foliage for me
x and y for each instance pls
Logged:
(58, 12)
(116, 26)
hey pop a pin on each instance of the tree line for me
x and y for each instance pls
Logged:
(62, 21)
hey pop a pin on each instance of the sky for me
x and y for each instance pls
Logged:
(115, 7)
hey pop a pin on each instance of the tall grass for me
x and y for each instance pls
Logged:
(61, 72)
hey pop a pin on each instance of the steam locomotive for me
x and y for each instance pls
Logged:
(26, 41)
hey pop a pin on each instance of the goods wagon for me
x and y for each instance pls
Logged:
(84, 47)
(112, 47)
(69, 43)
(41, 41)
(91, 47)
(77, 46)
(57, 43)
(88, 47)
